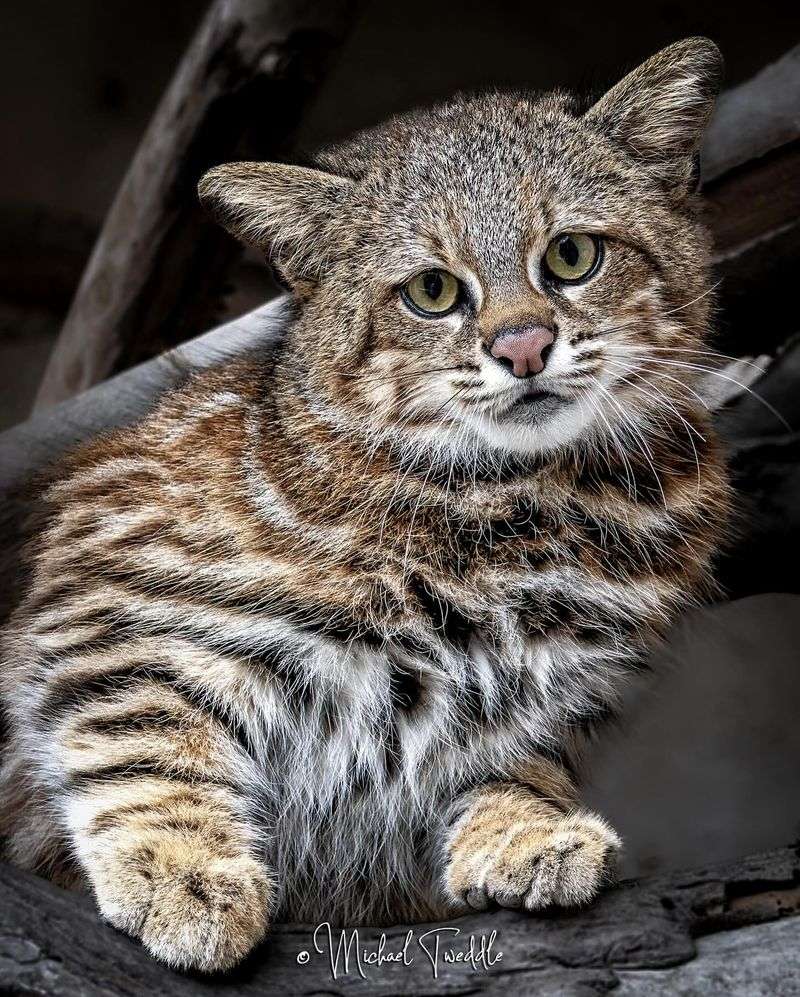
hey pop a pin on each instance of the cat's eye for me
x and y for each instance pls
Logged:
(432, 293)
(572, 257)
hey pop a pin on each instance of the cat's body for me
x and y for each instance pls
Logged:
(302, 645)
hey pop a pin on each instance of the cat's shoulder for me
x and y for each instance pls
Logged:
(187, 435)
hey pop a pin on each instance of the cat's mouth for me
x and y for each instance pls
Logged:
(535, 405)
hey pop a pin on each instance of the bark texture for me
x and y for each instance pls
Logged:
(726, 930)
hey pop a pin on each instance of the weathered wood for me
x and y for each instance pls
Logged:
(708, 932)
(751, 174)
(765, 461)
(755, 118)
(156, 273)
(755, 201)
(34, 444)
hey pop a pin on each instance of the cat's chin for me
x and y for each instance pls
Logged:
(537, 422)
(534, 408)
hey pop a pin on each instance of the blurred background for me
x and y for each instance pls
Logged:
(706, 765)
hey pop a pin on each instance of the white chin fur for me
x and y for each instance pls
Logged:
(559, 429)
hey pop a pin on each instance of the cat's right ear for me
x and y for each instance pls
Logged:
(289, 213)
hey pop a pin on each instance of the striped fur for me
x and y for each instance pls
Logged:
(312, 642)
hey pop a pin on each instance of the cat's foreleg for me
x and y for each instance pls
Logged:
(152, 796)
(174, 867)
(527, 844)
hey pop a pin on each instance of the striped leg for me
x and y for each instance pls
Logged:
(527, 845)
(175, 869)
(150, 798)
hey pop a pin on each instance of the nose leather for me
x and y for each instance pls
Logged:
(523, 348)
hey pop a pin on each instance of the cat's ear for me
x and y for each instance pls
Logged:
(658, 112)
(289, 213)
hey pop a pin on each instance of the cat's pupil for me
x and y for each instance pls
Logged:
(433, 284)
(568, 251)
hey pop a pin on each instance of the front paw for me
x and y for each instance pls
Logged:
(514, 850)
(191, 906)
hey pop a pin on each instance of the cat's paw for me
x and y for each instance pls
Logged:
(192, 907)
(531, 860)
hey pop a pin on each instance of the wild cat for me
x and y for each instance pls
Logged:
(321, 638)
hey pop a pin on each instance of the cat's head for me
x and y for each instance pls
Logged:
(503, 271)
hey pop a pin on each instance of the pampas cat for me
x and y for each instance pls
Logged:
(321, 637)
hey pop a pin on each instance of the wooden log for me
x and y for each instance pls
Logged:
(754, 119)
(751, 181)
(721, 930)
(157, 271)
(36, 443)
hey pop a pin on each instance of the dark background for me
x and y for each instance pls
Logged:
(707, 763)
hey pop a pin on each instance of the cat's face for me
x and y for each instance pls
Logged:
(502, 272)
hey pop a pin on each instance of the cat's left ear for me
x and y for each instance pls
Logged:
(658, 112)
(289, 213)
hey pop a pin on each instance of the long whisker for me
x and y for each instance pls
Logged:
(447, 401)
(594, 409)
(389, 378)
(682, 349)
(686, 304)
(726, 377)
(639, 371)
(637, 435)
(690, 429)
(661, 396)
(629, 475)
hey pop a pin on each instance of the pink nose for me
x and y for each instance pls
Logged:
(523, 349)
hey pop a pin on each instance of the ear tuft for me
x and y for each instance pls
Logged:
(286, 212)
(658, 111)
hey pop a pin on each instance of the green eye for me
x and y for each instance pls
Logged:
(432, 293)
(572, 256)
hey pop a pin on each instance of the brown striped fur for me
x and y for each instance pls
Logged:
(322, 636)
